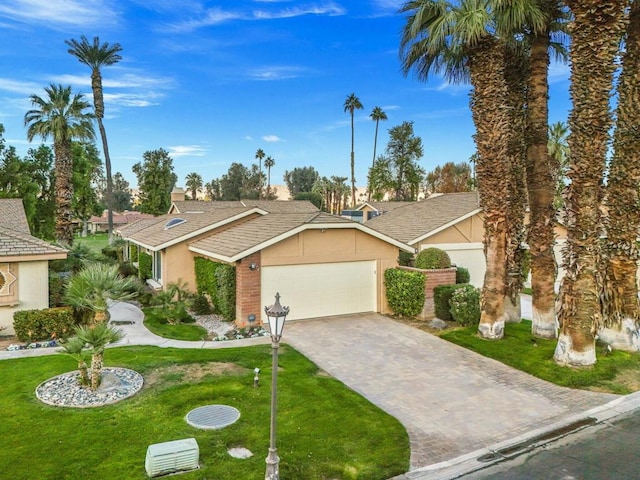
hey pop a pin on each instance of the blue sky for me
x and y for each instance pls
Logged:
(213, 81)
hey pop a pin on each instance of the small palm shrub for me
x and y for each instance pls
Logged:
(431, 258)
(405, 291)
(465, 305)
(462, 275)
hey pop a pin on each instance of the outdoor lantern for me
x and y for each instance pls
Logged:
(276, 316)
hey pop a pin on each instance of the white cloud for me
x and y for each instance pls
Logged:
(271, 138)
(132, 99)
(124, 80)
(82, 13)
(212, 16)
(276, 73)
(19, 86)
(330, 9)
(559, 72)
(248, 137)
(187, 151)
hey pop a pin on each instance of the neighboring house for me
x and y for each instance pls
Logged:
(368, 210)
(101, 224)
(24, 264)
(451, 222)
(320, 264)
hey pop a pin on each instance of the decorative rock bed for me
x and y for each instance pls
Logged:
(65, 390)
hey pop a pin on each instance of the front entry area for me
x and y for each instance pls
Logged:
(321, 290)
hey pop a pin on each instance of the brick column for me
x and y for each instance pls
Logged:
(433, 278)
(248, 291)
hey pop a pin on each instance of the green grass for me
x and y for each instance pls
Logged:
(95, 242)
(181, 331)
(519, 349)
(325, 430)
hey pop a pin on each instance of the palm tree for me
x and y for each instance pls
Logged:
(268, 163)
(350, 105)
(462, 41)
(74, 347)
(61, 116)
(260, 155)
(95, 286)
(541, 168)
(193, 181)
(96, 339)
(94, 55)
(558, 159)
(597, 28)
(620, 310)
(376, 115)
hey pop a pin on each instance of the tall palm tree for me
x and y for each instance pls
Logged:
(597, 29)
(268, 163)
(376, 115)
(559, 159)
(541, 168)
(621, 309)
(95, 286)
(351, 104)
(260, 155)
(95, 56)
(193, 182)
(96, 339)
(62, 117)
(464, 41)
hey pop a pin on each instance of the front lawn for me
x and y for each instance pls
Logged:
(95, 242)
(325, 430)
(156, 322)
(615, 372)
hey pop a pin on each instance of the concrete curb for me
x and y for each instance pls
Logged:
(468, 463)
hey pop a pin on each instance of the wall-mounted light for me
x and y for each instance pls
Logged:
(253, 266)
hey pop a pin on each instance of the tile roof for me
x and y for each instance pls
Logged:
(155, 234)
(385, 206)
(120, 218)
(410, 222)
(271, 206)
(15, 236)
(12, 215)
(247, 237)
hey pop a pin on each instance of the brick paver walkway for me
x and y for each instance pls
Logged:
(451, 400)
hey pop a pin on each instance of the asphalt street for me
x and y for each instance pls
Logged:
(606, 451)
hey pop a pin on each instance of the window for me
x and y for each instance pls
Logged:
(8, 283)
(173, 222)
(157, 267)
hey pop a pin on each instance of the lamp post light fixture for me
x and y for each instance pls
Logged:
(276, 316)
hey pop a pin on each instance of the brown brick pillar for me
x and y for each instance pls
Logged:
(434, 277)
(248, 291)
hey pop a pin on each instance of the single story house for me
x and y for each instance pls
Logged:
(98, 224)
(452, 222)
(320, 264)
(24, 264)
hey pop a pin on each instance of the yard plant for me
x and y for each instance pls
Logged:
(325, 430)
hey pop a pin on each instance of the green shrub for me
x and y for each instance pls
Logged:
(133, 252)
(45, 324)
(205, 271)
(441, 296)
(226, 291)
(462, 275)
(144, 266)
(127, 269)
(200, 305)
(405, 259)
(431, 258)
(313, 197)
(57, 285)
(405, 291)
(464, 305)
(110, 252)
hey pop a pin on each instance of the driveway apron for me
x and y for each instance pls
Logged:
(450, 400)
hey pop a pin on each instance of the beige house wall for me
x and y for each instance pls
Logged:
(33, 292)
(332, 246)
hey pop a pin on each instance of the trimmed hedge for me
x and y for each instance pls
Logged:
(405, 259)
(432, 258)
(226, 291)
(145, 262)
(441, 296)
(45, 324)
(465, 305)
(462, 275)
(405, 291)
(205, 271)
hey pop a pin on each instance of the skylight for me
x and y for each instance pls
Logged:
(173, 222)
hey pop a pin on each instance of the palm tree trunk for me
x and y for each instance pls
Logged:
(84, 373)
(96, 369)
(596, 33)
(373, 162)
(353, 165)
(541, 188)
(109, 192)
(620, 310)
(489, 92)
(64, 192)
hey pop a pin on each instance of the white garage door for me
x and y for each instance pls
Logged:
(321, 290)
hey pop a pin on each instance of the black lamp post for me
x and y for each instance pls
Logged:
(276, 316)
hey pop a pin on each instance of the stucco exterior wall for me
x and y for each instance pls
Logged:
(33, 292)
(335, 245)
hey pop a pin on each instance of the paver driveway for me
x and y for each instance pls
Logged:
(451, 400)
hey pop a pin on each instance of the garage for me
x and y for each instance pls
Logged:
(320, 290)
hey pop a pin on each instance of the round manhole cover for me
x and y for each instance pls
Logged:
(212, 417)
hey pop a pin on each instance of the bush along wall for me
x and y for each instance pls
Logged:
(405, 291)
(465, 305)
(205, 271)
(432, 258)
(441, 296)
(226, 291)
(144, 266)
(45, 324)
(462, 275)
